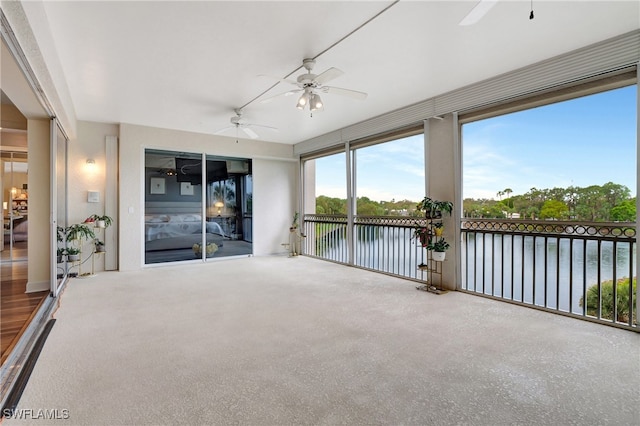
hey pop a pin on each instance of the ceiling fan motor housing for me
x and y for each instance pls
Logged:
(307, 79)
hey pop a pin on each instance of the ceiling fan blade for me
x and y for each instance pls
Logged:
(280, 95)
(282, 80)
(478, 12)
(262, 126)
(344, 92)
(224, 129)
(249, 132)
(328, 75)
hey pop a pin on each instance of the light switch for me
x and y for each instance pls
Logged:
(93, 196)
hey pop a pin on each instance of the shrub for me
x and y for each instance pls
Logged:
(622, 300)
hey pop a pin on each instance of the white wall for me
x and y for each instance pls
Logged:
(274, 204)
(274, 184)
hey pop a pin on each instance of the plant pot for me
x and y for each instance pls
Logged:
(100, 224)
(438, 256)
(99, 248)
(73, 257)
(199, 254)
(438, 232)
(433, 214)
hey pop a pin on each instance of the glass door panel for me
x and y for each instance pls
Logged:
(173, 206)
(228, 207)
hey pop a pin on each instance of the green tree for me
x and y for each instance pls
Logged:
(624, 212)
(328, 205)
(554, 209)
(367, 207)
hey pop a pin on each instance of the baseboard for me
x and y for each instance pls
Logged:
(33, 287)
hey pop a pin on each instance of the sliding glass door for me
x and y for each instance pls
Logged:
(196, 206)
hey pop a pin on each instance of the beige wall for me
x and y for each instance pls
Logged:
(39, 234)
(274, 184)
(82, 178)
(441, 185)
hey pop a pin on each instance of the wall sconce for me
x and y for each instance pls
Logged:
(90, 166)
(5, 205)
(219, 205)
(14, 192)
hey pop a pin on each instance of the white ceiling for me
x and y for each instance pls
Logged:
(186, 65)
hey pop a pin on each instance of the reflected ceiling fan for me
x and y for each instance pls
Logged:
(311, 85)
(238, 123)
(481, 9)
(478, 12)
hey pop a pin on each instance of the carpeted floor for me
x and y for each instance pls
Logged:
(288, 341)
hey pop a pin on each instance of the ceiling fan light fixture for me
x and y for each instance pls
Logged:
(303, 101)
(316, 102)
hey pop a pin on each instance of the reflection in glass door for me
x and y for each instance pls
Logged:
(59, 206)
(178, 225)
(15, 206)
(228, 210)
(173, 206)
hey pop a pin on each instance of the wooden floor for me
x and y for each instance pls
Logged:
(16, 307)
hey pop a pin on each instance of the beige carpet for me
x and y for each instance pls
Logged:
(288, 341)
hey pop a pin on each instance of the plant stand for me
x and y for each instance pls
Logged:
(93, 258)
(295, 242)
(433, 269)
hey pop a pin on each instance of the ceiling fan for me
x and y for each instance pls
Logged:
(310, 85)
(238, 123)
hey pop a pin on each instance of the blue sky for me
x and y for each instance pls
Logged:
(581, 142)
(386, 171)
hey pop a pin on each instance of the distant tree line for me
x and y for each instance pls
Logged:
(366, 207)
(610, 202)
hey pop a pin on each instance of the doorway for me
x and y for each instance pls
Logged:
(18, 306)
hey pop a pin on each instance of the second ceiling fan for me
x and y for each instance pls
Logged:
(311, 85)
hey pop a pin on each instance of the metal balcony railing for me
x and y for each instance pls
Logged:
(381, 243)
(575, 269)
(586, 270)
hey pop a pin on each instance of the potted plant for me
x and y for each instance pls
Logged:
(439, 248)
(422, 234)
(434, 208)
(60, 252)
(61, 234)
(294, 223)
(99, 245)
(99, 221)
(79, 231)
(73, 254)
(438, 228)
(211, 248)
